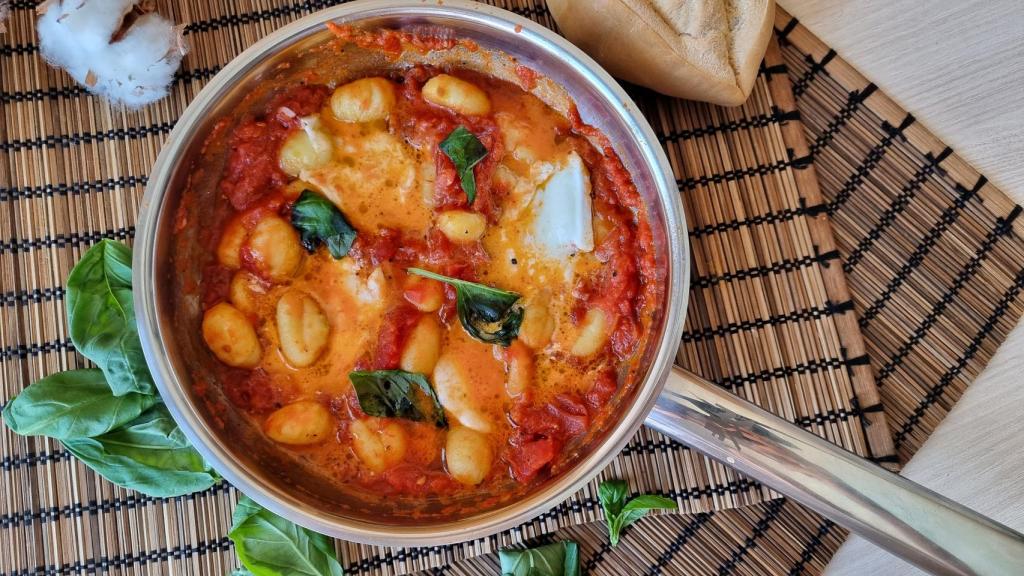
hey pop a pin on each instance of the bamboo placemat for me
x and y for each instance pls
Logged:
(769, 317)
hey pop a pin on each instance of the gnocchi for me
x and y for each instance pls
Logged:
(363, 100)
(538, 325)
(231, 337)
(468, 455)
(425, 294)
(244, 290)
(275, 249)
(519, 367)
(462, 226)
(456, 95)
(299, 423)
(422, 347)
(380, 444)
(454, 388)
(406, 342)
(229, 250)
(592, 335)
(302, 328)
(305, 149)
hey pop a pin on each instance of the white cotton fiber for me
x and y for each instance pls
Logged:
(133, 70)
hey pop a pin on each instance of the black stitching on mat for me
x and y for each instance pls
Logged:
(787, 265)
(784, 215)
(71, 189)
(898, 204)
(77, 90)
(22, 351)
(596, 557)
(812, 367)
(845, 114)
(68, 140)
(774, 70)
(760, 121)
(812, 546)
(948, 218)
(103, 564)
(813, 313)
(737, 174)
(74, 240)
(1002, 228)
(11, 463)
(870, 162)
(750, 542)
(92, 508)
(34, 296)
(979, 338)
(784, 32)
(677, 545)
(801, 85)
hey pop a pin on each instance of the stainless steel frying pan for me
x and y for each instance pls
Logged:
(909, 520)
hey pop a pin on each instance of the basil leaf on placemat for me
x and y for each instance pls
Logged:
(558, 559)
(488, 314)
(393, 394)
(149, 454)
(101, 317)
(618, 513)
(269, 545)
(319, 221)
(465, 151)
(72, 404)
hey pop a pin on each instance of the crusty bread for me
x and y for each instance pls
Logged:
(698, 49)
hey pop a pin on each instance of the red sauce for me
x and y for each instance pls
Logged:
(625, 285)
(252, 169)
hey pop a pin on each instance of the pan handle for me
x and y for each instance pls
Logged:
(905, 518)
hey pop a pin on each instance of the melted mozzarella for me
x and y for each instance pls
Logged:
(562, 220)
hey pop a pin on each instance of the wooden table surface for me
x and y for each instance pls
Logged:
(958, 66)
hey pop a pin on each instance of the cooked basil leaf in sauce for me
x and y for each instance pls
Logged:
(488, 314)
(465, 151)
(319, 221)
(398, 394)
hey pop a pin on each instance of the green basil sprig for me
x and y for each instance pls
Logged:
(398, 394)
(558, 559)
(101, 317)
(110, 418)
(619, 513)
(488, 314)
(269, 545)
(73, 404)
(319, 221)
(149, 454)
(465, 151)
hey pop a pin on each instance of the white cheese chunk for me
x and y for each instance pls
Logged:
(562, 222)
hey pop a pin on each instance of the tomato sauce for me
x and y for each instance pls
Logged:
(530, 403)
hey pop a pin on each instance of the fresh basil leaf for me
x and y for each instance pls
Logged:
(612, 494)
(269, 545)
(319, 221)
(637, 508)
(393, 394)
(558, 559)
(488, 314)
(101, 316)
(465, 151)
(618, 513)
(149, 454)
(72, 404)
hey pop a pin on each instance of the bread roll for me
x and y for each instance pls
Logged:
(698, 49)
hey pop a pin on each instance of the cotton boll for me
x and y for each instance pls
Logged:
(135, 69)
(5, 11)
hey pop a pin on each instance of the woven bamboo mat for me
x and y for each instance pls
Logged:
(770, 310)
